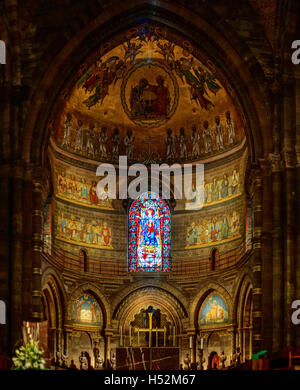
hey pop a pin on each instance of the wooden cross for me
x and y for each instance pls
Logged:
(150, 330)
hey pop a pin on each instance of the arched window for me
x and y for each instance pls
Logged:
(214, 259)
(83, 260)
(149, 234)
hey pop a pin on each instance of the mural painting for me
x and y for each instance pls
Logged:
(216, 191)
(84, 232)
(214, 311)
(151, 80)
(213, 231)
(86, 311)
(81, 190)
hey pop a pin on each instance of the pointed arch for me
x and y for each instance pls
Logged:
(149, 234)
(202, 295)
(93, 290)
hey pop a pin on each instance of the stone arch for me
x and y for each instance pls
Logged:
(175, 292)
(52, 288)
(239, 74)
(200, 297)
(97, 294)
(143, 297)
(243, 304)
(242, 286)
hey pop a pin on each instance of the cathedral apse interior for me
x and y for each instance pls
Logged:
(151, 282)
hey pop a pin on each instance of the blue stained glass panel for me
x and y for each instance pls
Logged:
(149, 234)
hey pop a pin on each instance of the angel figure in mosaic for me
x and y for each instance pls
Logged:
(166, 50)
(131, 50)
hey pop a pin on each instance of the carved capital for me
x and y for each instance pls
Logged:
(290, 160)
(264, 166)
(275, 162)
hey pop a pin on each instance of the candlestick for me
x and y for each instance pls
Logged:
(191, 342)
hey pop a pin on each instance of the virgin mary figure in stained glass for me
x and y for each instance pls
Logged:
(149, 234)
(149, 237)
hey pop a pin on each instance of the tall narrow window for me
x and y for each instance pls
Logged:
(214, 259)
(83, 260)
(149, 234)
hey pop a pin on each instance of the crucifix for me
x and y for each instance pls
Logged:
(150, 330)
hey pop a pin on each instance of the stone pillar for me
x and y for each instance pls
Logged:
(67, 335)
(250, 342)
(16, 263)
(37, 243)
(297, 227)
(108, 334)
(266, 255)
(53, 342)
(240, 337)
(243, 346)
(277, 237)
(233, 339)
(257, 261)
(290, 248)
(277, 252)
(5, 193)
(290, 220)
(27, 243)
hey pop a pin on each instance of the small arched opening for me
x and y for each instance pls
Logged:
(83, 260)
(214, 259)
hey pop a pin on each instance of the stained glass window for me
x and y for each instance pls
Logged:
(149, 234)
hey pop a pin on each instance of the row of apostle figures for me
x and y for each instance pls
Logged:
(176, 146)
(90, 146)
(207, 135)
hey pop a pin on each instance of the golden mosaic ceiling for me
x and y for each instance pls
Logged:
(144, 87)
